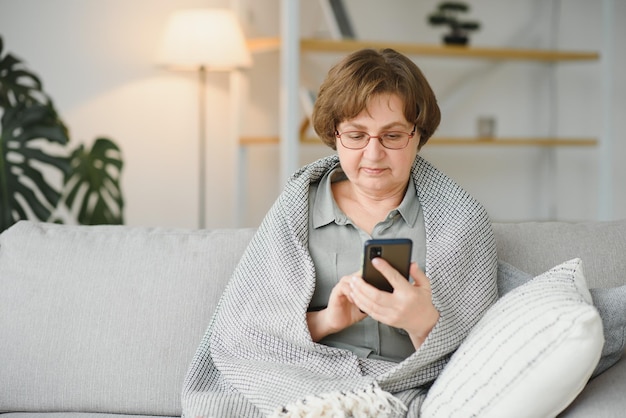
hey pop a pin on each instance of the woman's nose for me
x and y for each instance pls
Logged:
(374, 146)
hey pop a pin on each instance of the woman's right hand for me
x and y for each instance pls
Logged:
(340, 313)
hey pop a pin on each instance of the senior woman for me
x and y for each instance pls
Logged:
(298, 331)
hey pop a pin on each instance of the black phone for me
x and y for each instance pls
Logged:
(396, 251)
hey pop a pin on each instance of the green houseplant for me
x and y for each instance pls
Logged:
(39, 172)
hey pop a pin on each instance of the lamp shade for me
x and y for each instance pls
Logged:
(209, 38)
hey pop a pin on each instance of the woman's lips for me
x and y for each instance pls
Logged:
(372, 171)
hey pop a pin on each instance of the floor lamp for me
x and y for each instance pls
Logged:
(203, 40)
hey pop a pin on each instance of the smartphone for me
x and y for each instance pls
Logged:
(396, 251)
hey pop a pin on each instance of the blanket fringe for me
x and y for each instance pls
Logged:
(362, 403)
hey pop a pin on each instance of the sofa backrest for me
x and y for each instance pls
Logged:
(106, 318)
(535, 247)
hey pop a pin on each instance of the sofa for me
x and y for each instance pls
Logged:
(99, 321)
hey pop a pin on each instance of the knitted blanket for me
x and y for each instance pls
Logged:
(257, 357)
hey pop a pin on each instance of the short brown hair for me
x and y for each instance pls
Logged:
(351, 83)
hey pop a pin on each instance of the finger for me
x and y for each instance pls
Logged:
(346, 285)
(381, 307)
(369, 299)
(360, 289)
(420, 279)
(393, 276)
(344, 288)
(361, 292)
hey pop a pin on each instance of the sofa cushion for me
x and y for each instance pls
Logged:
(611, 305)
(72, 415)
(106, 318)
(603, 397)
(530, 355)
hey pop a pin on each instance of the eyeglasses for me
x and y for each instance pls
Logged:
(389, 140)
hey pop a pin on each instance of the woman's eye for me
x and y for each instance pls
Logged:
(356, 136)
(391, 136)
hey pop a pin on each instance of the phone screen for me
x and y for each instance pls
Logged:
(396, 251)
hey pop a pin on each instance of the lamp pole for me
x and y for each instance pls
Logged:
(202, 148)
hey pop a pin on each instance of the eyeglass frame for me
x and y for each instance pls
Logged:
(379, 137)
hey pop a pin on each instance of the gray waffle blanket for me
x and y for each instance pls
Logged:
(257, 357)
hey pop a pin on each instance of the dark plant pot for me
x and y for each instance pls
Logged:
(455, 40)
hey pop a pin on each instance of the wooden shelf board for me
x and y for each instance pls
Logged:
(458, 141)
(517, 141)
(263, 44)
(258, 140)
(346, 46)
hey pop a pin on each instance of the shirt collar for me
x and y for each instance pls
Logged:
(327, 211)
(409, 207)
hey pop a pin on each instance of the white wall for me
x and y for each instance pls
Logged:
(97, 60)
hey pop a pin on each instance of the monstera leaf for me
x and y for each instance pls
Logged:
(38, 173)
(17, 84)
(29, 130)
(95, 177)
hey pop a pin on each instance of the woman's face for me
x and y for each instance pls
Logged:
(375, 170)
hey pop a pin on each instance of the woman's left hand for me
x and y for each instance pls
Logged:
(409, 307)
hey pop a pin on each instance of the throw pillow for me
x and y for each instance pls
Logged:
(611, 304)
(530, 355)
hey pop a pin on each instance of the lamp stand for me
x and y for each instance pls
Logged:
(202, 149)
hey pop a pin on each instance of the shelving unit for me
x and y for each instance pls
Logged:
(290, 48)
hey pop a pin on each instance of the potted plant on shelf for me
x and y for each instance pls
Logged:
(40, 175)
(448, 14)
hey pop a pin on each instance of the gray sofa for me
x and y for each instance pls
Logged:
(105, 320)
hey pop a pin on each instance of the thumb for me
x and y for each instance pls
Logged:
(393, 276)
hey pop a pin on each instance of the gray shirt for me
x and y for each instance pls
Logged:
(336, 246)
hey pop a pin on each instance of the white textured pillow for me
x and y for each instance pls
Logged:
(530, 355)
